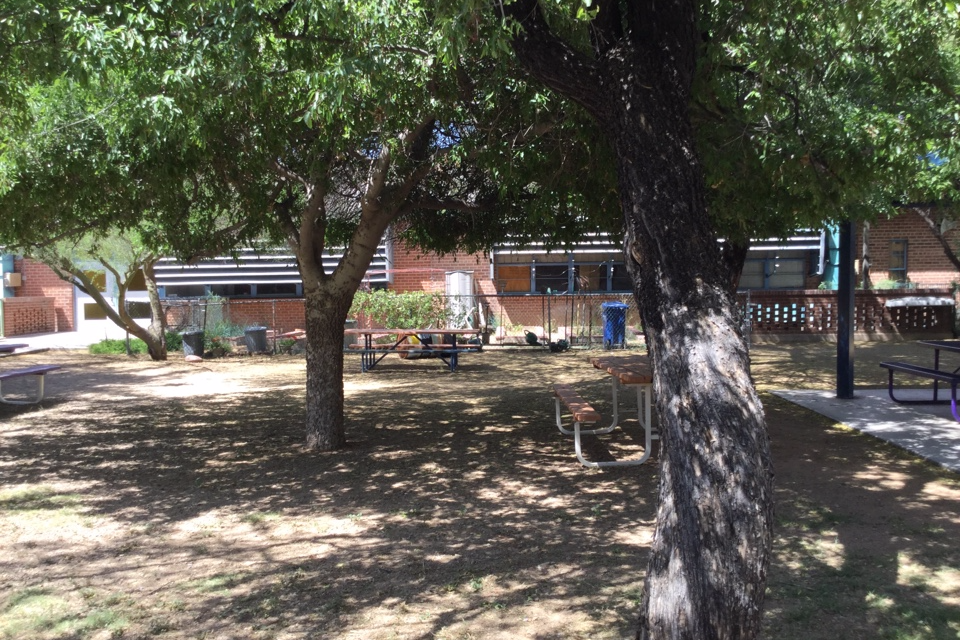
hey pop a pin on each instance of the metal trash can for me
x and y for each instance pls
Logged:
(349, 338)
(256, 339)
(192, 343)
(614, 325)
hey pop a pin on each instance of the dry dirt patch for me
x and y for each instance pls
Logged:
(176, 501)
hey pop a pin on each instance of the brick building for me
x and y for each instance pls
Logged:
(903, 249)
(509, 281)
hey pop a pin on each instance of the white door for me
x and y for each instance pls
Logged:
(460, 299)
(93, 321)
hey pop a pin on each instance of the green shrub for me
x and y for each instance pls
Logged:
(174, 341)
(411, 310)
(118, 347)
(214, 334)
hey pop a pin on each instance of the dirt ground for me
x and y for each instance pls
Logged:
(176, 501)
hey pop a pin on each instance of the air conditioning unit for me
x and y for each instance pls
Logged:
(12, 279)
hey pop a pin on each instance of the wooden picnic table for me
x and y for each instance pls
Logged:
(407, 343)
(629, 371)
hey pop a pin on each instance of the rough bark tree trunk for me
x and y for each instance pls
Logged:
(325, 313)
(708, 563)
(158, 320)
(707, 568)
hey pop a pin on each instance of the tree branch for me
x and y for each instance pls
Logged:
(926, 214)
(433, 203)
(553, 61)
(606, 29)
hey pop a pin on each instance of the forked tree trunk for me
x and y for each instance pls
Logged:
(154, 336)
(325, 317)
(707, 566)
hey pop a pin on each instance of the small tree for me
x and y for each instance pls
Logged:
(126, 259)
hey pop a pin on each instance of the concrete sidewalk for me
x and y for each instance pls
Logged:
(927, 430)
(62, 340)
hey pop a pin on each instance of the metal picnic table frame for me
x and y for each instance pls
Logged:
(371, 354)
(625, 371)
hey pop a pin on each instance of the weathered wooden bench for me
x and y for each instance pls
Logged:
(582, 413)
(953, 379)
(39, 371)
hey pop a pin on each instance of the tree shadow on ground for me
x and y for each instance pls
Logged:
(181, 500)
(455, 504)
(866, 535)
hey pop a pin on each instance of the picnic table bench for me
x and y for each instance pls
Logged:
(8, 348)
(39, 371)
(934, 373)
(631, 371)
(953, 379)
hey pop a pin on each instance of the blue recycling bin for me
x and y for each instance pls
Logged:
(192, 343)
(614, 325)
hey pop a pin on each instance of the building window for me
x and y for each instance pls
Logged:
(588, 277)
(898, 260)
(277, 290)
(98, 277)
(137, 281)
(186, 291)
(138, 310)
(620, 278)
(552, 277)
(93, 311)
(775, 270)
(513, 278)
(230, 290)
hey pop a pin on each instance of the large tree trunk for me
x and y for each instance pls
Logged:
(326, 314)
(708, 563)
(711, 547)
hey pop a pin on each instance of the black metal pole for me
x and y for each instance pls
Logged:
(845, 313)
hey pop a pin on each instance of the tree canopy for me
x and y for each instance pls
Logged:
(813, 112)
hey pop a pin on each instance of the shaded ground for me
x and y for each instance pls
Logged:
(176, 501)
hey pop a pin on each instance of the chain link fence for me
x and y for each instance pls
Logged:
(577, 318)
(507, 319)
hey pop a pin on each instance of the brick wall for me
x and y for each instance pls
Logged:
(39, 281)
(413, 271)
(927, 266)
(25, 315)
(280, 314)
